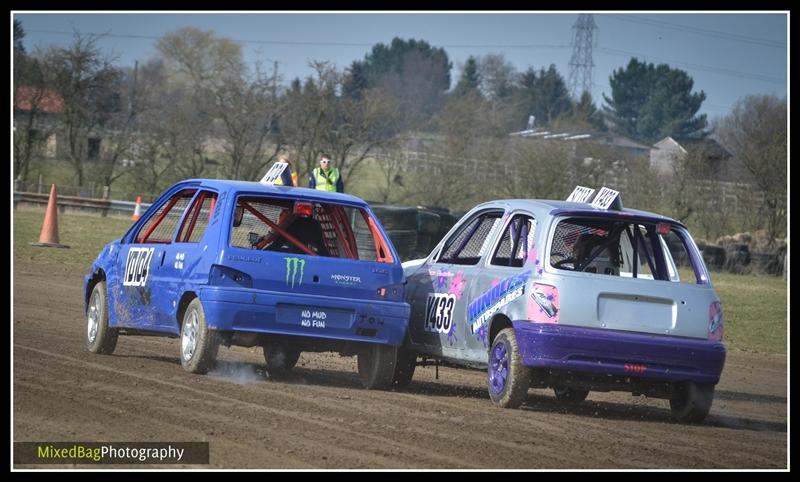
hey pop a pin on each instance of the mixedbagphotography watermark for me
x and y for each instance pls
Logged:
(111, 452)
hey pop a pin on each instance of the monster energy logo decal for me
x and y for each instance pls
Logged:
(291, 270)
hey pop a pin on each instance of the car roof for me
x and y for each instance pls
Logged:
(566, 208)
(256, 187)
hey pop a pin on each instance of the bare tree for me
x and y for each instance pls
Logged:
(755, 132)
(319, 119)
(497, 76)
(85, 80)
(137, 90)
(391, 163)
(541, 170)
(245, 102)
(35, 106)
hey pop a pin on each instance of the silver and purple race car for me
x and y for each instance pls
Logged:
(576, 295)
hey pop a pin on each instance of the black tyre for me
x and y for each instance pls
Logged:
(100, 338)
(428, 222)
(509, 379)
(691, 402)
(280, 359)
(199, 344)
(404, 371)
(570, 395)
(396, 217)
(376, 366)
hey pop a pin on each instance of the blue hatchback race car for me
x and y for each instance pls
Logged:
(242, 263)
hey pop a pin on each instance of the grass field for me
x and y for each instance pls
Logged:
(755, 307)
(84, 234)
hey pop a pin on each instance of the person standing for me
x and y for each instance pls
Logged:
(288, 176)
(325, 177)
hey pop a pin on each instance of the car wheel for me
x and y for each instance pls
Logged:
(199, 344)
(280, 360)
(376, 366)
(404, 371)
(100, 338)
(692, 401)
(570, 395)
(509, 379)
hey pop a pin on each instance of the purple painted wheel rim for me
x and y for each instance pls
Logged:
(498, 368)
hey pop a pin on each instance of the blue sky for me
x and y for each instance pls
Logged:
(729, 55)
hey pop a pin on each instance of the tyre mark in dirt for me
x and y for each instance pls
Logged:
(158, 413)
(363, 403)
(92, 430)
(324, 422)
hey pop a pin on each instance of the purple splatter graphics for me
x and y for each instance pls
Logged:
(442, 279)
(533, 257)
(451, 335)
(481, 335)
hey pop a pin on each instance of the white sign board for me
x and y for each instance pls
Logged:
(580, 194)
(604, 198)
(274, 173)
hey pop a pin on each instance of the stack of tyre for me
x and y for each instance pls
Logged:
(429, 233)
(414, 231)
(714, 256)
(428, 227)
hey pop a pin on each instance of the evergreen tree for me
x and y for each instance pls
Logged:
(585, 114)
(544, 95)
(651, 102)
(355, 81)
(19, 34)
(470, 80)
(412, 72)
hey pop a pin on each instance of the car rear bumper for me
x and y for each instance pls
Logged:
(382, 322)
(644, 356)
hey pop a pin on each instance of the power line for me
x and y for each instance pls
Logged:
(556, 46)
(321, 44)
(700, 31)
(717, 70)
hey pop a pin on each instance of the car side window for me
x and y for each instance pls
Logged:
(515, 243)
(195, 223)
(638, 255)
(468, 245)
(164, 222)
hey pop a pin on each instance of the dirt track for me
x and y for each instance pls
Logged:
(320, 418)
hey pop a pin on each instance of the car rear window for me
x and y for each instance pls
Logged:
(621, 247)
(303, 227)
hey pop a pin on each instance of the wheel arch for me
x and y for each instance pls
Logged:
(499, 322)
(97, 276)
(186, 298)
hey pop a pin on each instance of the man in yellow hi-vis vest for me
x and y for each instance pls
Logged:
(325, 177)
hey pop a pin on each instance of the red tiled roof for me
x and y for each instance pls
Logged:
(26, 97)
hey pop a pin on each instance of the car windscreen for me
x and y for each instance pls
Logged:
(306, 227)
(646, 250)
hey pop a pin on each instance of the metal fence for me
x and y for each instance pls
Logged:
(91, 190)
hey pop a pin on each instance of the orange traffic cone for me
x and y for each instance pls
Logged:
(49, 235)
(137, 211)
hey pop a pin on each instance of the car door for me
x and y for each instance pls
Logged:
(499, 282)
(134, 290)
(184, 261)
(439, 289)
